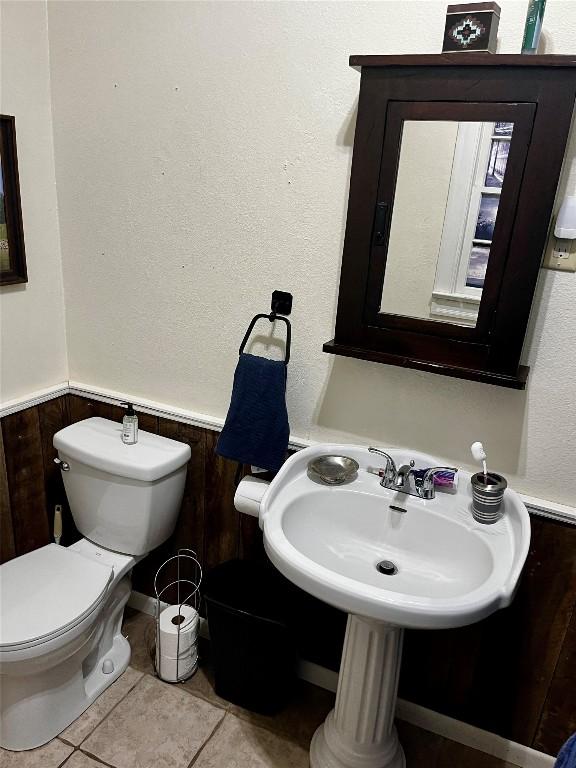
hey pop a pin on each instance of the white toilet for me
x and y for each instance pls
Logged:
(61, 608)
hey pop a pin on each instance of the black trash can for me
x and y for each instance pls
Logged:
(248, 607)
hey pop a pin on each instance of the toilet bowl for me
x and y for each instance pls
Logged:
(61, 608)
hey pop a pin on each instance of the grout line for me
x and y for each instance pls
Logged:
(107, 715)
(434, 722)
(214, 731)
(67, 756)
(282, 733)
(94, 757)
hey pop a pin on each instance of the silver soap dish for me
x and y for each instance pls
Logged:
(333, 470)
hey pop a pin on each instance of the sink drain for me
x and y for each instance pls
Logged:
(387, 567)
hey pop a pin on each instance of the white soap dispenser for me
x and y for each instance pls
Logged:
(130, 425)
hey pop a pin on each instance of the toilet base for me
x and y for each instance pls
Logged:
(98, 680)
(40, 697)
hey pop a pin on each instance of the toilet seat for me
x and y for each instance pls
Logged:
(47, 592)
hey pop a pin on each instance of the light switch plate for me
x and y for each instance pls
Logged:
(560, 254)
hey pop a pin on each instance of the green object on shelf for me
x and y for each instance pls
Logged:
(533, 26)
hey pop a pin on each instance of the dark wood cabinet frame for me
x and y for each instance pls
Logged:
(537, 93)
(12, 205)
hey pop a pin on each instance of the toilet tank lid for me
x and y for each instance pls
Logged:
(98, 443)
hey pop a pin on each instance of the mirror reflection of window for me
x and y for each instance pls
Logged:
(490, 197)
(478, 173)
(448, 187)
(486, 218)
(477, 266)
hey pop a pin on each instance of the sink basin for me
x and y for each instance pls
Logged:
(391, 561)
(451, 570)
(435, 557)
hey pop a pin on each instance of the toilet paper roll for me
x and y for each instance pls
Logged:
(177, 632)
(249, 494)
(172, 670)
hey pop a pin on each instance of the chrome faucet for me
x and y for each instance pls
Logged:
(390, 472)
(403, 476)
(425, 486)
(402, 479)
(392, 477)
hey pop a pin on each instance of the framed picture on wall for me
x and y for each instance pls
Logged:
(12, 255)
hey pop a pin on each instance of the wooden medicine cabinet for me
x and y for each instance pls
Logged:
(455, 167)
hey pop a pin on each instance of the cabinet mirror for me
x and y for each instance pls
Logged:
(455, 167)
(448, 188)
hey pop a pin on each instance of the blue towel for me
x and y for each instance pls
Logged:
(256, 430)
(567, 755)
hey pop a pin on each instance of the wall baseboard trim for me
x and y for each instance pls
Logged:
(471, 736)
(550, 509)
(435, 722)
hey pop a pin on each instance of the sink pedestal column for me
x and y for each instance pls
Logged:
(360, 732)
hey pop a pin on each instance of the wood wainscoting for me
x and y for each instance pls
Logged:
(513, 674)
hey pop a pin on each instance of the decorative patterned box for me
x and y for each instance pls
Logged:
(471, 27)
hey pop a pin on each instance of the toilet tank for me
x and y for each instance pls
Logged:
(123, 497)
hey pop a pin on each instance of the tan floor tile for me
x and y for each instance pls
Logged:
(85, 724)
(420, 747)
(155, 726)
(80, 760)
(239, 744)
(202, 684)
(49, 755)
(299, 720)
(453, 755)
(139, 628)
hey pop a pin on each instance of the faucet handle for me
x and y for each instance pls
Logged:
(427, 487)
(390, 470)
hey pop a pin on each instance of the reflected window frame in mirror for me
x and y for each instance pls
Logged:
(446, 184)
(399, 112)
(457, 292)
(537, 94)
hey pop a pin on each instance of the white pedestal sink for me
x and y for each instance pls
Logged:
(360, 729)
(451, 571)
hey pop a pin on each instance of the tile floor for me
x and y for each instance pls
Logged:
(140, 722)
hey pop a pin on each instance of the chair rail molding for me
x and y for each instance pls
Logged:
(550, 509)
(35, 398)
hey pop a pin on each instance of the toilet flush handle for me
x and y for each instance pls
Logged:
(64, 466)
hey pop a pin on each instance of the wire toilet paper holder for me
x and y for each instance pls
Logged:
(185, 562)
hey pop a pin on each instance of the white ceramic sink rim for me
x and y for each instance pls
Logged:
(507, 542)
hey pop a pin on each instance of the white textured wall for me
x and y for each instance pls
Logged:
(32, 334)
(203, 154)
